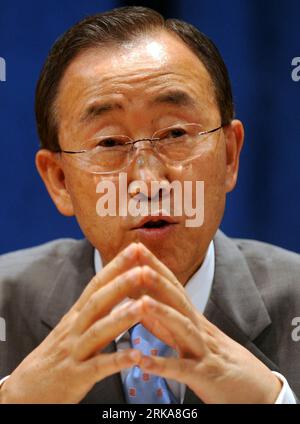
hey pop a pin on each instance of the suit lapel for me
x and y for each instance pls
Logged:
(235, 305)
(75, 273)
(234, 297)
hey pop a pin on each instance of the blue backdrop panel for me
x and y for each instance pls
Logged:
(27, 31)
(258, 40)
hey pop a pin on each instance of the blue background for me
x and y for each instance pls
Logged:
(258, 40)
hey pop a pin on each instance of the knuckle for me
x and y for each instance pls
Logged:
(64, 351)
(168, 311)
(117, 360)
(212, 345)
(182, 367)
(189, 327)
(127, 252)
(97, 366)
(70, 325)
(93, 303)
(118, 262)
(148, 281)
(63, 330)
(211, 366)
(148, 270)
(118, 285)
(135, 279)
(117, 317)
(94, 333)
(143, 249)
(96, 280)
(186, 305)
(190, 312)
(153, 274)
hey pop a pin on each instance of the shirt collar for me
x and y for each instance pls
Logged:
(198, 287)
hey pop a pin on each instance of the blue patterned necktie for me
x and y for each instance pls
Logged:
(141, 387)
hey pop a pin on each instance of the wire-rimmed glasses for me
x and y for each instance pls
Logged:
(114, 153)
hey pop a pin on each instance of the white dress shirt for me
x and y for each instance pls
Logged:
(198, 289)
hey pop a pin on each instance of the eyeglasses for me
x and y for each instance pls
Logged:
(114, 153)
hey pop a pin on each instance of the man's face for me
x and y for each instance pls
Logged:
(131, 90)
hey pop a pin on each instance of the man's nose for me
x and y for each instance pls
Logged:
(147, 167)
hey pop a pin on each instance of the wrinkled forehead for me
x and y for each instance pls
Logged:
(138, 69)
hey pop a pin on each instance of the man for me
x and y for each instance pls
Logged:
(127, 92)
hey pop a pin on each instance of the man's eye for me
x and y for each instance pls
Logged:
(110, 142)
(175, 133)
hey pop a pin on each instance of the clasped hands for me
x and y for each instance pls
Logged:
(67, 364)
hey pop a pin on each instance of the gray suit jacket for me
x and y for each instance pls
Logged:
(255, 296)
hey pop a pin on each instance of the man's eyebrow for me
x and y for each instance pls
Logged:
(171, 97)
(98, 109)
(174, 97)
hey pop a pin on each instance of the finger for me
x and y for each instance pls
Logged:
(133, 283)
(106, 364)
(146, 257)
(186, 336)
(178, 369)
(107, 329)
(160, 331)
(106, 298)
(121, 263)
(160, 288)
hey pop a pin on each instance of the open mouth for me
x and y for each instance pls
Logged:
(155, 228)
(156, 224)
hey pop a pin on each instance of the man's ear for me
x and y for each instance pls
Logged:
(234, 137)
(49, 167)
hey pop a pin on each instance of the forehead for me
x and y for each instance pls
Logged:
(134, 71)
